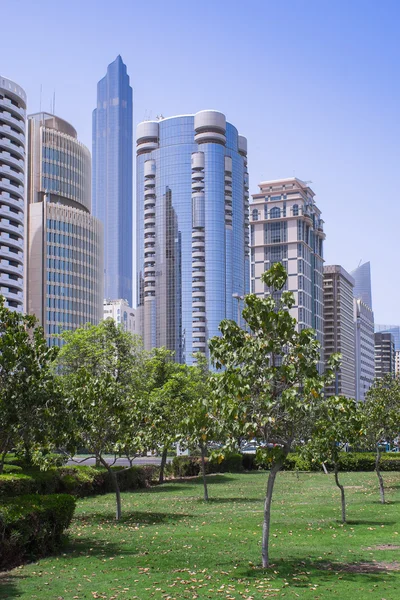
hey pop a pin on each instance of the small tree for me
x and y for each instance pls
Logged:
(101, 370)
(338, 422)
(28, 395)
(270, 386)
(381, 412)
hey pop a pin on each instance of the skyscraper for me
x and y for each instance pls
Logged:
(65, 242)
(286, 227)
(12, 192)
(394, 330)
(192, 229)
(365, 347)
(112, 177)
(339, 328)
(362, 283)
(385, 354)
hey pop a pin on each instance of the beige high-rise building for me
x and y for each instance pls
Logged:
(286, 227)
(65, 242)
(121, 313)
(339, 328)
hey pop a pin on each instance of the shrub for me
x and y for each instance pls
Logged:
(32, 526)
(190, 466)
(16, 484)
(231, 463)
(185, 466)
(11, 469)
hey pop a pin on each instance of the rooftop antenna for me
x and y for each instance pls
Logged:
(359, 264)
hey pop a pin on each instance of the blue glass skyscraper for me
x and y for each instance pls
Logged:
(192, 230)
(112, 177)
(362, 286)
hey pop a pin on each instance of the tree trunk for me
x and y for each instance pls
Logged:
(378, 472)
(203, 471)
(114, 480)
(342, 496)
(163, 463)
(267, 512)
(2, 459)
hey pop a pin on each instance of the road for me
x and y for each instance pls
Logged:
(121, 462)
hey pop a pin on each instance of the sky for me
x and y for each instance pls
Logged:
(313, 84)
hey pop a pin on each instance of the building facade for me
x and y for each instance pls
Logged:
(339, 328)
(12, 193)
(286, 227)
(394, 330)
(192, 229)
(112, 177)
(65, 242)
(362, 283)
(121, 313)
(365, 347)
(385, 354)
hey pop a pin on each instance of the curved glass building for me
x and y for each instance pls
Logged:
(65, 242)
(12, 192)
(192, 229)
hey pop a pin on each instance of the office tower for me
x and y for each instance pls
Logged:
(362, 283)
(112, 177)
(286, 227)
(339, 328)
(365, 347)
(397, 363)
(394, 330)
(385, 354)
(65, 242)
(121, 312)
(192, 229)
(12, 192)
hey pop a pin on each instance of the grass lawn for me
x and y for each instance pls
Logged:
(171, 545)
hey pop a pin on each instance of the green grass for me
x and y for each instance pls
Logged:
(171, 545)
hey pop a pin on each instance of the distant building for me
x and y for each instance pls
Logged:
(362, 283)
(339, 328)
(12, 192)
(121, 312)
(385, 354)
(286, 227)
(394, 330)
(112, 148)
(397, 363)
(65, 242)
(365, 348)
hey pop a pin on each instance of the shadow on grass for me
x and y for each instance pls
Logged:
(129, 518)
(240, 500)
(9, 585)
(304, 574)
(366, 522)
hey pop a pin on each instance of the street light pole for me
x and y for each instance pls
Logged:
(238, 297)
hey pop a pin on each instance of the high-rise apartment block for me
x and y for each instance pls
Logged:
(365, 348)
(192, 229)
(339, 328)
(112, 177)
(121, 313)
(12, 192)
(286, 227)
(385, 354)
(65, 242)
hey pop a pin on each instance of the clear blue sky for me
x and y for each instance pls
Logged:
(313, 84)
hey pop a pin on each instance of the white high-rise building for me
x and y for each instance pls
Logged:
(12, 192)
(365, 347)
(286, 227)
(121, 312)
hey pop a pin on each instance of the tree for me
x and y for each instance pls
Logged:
(381, 412)
(164, 406)
(338, 422)
(101, 372)
(28, 395)
(270, 385)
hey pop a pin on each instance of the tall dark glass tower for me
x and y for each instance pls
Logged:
(112, 177)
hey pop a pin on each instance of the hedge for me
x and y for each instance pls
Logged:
(32, 526)
(349, 461)
(189, 466)
(79, 481)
